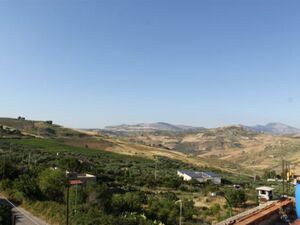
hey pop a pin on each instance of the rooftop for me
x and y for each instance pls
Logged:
(85, 175)
(197, 174)
(264, 188)
(74, 182)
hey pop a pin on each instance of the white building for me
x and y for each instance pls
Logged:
(201, 177)
(264, 193)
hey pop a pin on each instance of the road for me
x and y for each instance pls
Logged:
(22, 216)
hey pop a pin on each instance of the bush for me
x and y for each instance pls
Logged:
(215, 208)
(27, 185)
(131, 202)
(236, 197)
(71, 164)
(5, 214)
(52, 184)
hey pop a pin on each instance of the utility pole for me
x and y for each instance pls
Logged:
(76, 199)
(283, 176)
(180, 211)
(286, 171)
(67, 215)
(29, 159)
(3, 172)
(288, 168)
(290, 176)
(155, 172)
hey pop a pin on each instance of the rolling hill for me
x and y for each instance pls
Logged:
(37, 130)
(231, 148)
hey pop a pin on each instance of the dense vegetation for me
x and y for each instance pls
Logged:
(5, 214)
(126, 191)
(117, 198)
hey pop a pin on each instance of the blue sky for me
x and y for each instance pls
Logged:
(92, 63)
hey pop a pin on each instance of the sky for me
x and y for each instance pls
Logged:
(92, 63)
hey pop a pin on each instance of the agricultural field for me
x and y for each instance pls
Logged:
(126, 188)
(136, 184)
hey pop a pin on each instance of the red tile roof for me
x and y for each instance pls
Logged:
(74, 182)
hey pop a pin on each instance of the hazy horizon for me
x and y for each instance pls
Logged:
(205, 63)
(153, 122)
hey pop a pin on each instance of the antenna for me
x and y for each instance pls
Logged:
(283, 177)
(3, 172)
(155, 172)
(29, 159)
(76, 193)
(288, 168)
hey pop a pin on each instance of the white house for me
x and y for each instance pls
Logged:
(201, 177)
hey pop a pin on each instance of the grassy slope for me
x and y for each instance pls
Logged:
(231, 148)
(105, 160)
(88, 143)
(40, 128)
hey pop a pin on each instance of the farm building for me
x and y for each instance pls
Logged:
(201, 177)
(84, 178)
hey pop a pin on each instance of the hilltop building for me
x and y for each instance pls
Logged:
(201, 177)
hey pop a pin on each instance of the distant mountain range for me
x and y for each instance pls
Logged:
(151, 127)
(275, 128)
(271, 128)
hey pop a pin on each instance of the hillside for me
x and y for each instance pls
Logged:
(196, 141)
(40, 128)
(93, 141)
(84, 139)
(7, 132)
(30, 162)
(232, 148)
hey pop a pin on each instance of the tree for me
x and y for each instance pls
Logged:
(167, 211)
(27, 185)
(70, 163)
(99, 196)
(188, 209)
(77, 196)
(236, 197)
(269, 174)
(7, 169)
(163, 210)
(130, 202)
(5, 214)
(52, 183)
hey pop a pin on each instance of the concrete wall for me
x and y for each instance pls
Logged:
(184, 176)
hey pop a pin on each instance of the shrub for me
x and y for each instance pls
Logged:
(52, 184)
(27, 185)
(236, 197)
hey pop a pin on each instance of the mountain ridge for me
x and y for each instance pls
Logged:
(275, 128)
(150, 127)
